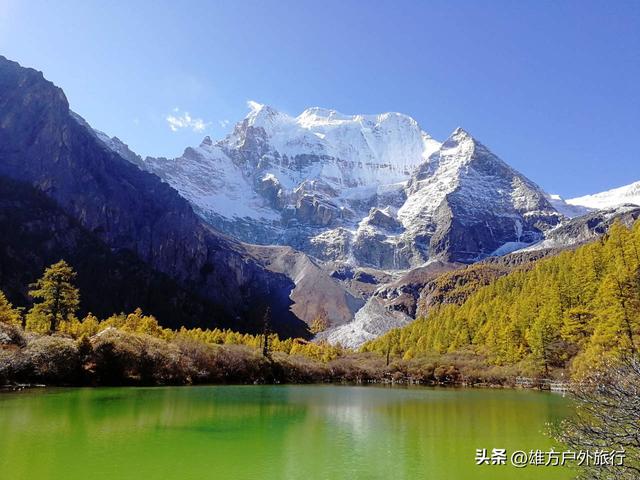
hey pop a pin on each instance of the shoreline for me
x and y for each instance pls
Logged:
(12, 388)
(116, 357)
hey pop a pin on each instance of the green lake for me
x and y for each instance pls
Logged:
(271, 432)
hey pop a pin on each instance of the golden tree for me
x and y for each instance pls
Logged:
(58, 298)
(8, 314)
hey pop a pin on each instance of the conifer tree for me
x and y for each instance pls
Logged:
(320, 323)
(574, 309)
(58, 298)
(8, 314)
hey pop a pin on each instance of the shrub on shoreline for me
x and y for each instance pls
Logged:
(118, 357)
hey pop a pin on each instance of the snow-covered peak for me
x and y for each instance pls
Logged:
(459, 146)
(475, 184)
(461, 134)
(374, 190)
(319, 121)
(628, 194)
(317, 115)
(355, 150)
(461, 151)
(254, 106)
(570, 211)
(264, 116)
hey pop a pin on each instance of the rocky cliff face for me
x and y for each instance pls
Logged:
(392, 304)
(35, 232)
(368, 190)
(466, 204)
(586, 228)
(130, 210)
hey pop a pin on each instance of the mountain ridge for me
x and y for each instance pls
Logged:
(626, 194)
(347, 188)
(44, 145)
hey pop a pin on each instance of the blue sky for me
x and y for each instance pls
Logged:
(551, 87)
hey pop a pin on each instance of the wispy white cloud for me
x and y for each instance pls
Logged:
(178, 121)
(224, 123)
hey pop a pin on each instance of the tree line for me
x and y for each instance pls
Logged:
(57, 302)
(576, 309)
(49, 343)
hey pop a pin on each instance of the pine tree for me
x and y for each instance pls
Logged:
(577, 325)
(320, 323)
(8, 314)
(393, 340)
(575, 309)
(58, 298)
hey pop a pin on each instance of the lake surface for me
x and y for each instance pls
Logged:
(271, 432)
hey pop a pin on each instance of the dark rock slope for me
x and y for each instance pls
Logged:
(35, 232)
(130, 211)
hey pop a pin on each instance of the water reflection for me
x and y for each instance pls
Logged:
(268, 432)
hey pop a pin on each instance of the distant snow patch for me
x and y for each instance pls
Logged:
(370, 322)
(618, 196)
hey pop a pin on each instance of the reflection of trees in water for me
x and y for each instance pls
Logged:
(184, 432)
(267, 431)
(405, 433)
(118, 410)
(449, 423)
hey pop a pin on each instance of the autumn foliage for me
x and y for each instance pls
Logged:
(575, 310)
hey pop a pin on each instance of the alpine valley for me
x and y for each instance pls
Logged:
(352, 218)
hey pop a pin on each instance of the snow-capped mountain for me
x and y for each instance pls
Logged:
(579, 206)
(352, 151)
(359, 191)
(629, 194)
(474, 203)
(371, 190)
(569, 211)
